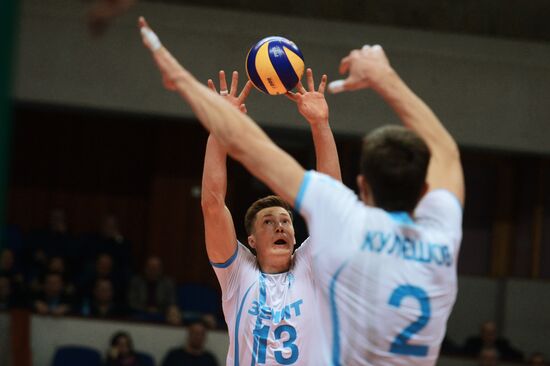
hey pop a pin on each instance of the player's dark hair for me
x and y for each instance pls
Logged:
(257, 206)
(394, 161)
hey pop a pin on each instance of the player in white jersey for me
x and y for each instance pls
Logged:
(387, 262)
(269, 301)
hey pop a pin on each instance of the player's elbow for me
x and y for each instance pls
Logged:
(446, 151)
(453, 151)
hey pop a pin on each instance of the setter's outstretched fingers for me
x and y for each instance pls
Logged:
(223, 83)
(234, 83)
(246, 90)
(323, 84)
(212, 86)
(310, 81)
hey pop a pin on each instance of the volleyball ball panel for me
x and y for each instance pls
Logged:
(275, 65)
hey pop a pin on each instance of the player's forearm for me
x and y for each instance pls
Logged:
(414, 113)
(220, 237)
(214, 176)
(325, 150)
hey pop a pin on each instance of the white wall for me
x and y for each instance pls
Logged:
(524, 305)
(527, 314)
(491, 93)
(49, 333)
(476, 303)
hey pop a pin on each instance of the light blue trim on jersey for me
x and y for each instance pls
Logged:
(228, 262)
(263, 290)
(334, 317)
(401, 217)
(261, 302)
(237, 323)
(302, 191)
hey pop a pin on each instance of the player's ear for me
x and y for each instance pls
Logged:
(252, 241)
(364, 190)
(363, 193)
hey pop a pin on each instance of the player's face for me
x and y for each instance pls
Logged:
(273, 239)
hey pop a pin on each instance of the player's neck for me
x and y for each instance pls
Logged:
(274, 266)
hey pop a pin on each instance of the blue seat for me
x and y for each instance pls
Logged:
(145, 359)
(76, 356)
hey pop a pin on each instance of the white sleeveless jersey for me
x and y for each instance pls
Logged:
(387, 282)
(272, 319)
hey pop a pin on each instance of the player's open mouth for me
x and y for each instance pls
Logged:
(280, 242)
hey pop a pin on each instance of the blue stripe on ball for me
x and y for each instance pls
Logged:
(251, 68)
(282, 65)
(292, 46)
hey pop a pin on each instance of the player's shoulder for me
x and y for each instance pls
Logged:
(440, 198)
(440, 211)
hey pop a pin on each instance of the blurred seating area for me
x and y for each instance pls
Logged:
(55, 272)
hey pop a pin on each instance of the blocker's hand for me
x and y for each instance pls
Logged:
(366, 67)
(231, 95)
(311, 103)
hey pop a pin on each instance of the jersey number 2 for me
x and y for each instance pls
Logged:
(399, 344)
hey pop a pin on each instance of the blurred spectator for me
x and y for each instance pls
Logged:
(152, 293)
(55, 264)
(103, 269)
(102, 304)
(110, 240)
(8, 269)
(193, 352)
(121, 352)
(58, 221)
(537, 359)
(209, 321)
(55, 240)
(173, 315)
(488, 339)
(6, 296)
(488, 357)
(53, 300)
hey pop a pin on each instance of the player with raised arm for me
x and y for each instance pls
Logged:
(269, 300)
(386, 264)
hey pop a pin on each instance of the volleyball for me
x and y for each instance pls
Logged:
(275, 65)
